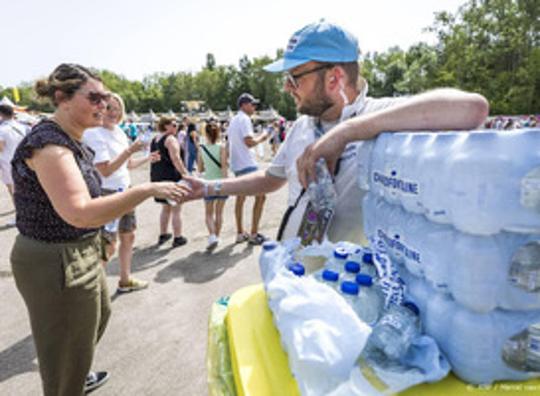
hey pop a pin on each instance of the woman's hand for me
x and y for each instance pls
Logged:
(137, 145)
(197, 187)
(329, 147)
(155, 156)
(175, 191)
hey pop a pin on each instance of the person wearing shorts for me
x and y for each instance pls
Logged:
(113, 160)
(213, 161)
(241, 140)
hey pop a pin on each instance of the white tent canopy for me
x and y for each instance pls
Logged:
(6, 101)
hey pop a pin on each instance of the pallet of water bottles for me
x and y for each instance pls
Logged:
(458, 214)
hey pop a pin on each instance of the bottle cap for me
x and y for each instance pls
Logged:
(364, 280)
(411, 306)
(340, 253)
(367, 258)
(352, 266)
(349, 288)
(329, 275)
(297, 269)
(269, 245)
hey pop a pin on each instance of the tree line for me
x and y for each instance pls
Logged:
(486, 46)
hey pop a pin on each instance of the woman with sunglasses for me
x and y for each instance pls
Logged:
(113, 159)
(169, 167)
(56, 258)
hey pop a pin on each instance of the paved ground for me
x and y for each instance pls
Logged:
(155, 343)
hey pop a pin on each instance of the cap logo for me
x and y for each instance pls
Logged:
(292, 44)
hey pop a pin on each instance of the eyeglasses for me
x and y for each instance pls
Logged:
(96, 98)
(292, 79)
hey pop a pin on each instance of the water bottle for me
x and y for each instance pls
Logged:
(481, 272)
(373, 297)
(272, 259)
(146, 138)
(297, 269)
(352, 268)
(329, 278)
(481, 347)
(322, 193)
(395, 331)
(112, 226)
(522, 351)
(525, 267)
(359, 301)
(481, 182)
(336, 263)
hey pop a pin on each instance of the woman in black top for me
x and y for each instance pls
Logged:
(170, 167)
(56, 258)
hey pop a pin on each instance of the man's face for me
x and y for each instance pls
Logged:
(249, 108)
(308, 89)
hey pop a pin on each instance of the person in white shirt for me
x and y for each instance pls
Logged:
(11, 134)
(242, 162)
(113, 161)
(321, 71)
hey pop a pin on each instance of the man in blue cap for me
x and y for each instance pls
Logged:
(321, 71)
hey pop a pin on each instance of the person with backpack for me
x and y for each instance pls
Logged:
(213, 161)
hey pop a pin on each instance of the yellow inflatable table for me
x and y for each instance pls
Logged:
(261, 368)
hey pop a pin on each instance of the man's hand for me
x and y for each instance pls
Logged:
(329, 147)
(196, 186)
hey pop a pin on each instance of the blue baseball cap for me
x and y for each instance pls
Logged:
(322, 42)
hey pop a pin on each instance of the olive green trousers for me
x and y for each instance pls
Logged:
(64, 288)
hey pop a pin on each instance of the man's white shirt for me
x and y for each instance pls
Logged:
(241, 157)
(347, 223)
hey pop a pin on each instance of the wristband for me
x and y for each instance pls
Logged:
(217, 187)
(205, 189)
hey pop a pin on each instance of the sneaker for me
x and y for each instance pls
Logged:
(243, 237)
(133, 285)
(212, 243)
(94, 380)
(179, 241)
(163, 238)
(257, 239)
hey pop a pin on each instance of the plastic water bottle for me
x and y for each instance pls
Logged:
(359, 301)
(522, 351)
(322, 193)
(330, 278)
(112, 226)
(478, 345)
(297, 269)
(336, 263)
(146, 138)
(525, 268)
(352, 268)
(273, 258)
(372, 296)
(481, 182)
(395, 331)
(481, 272)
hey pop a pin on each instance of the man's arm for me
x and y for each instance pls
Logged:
(251, 141)
(255, 183)
(441, 109)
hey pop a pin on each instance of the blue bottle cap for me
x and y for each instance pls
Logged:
(367, 258)
(364, 280)
(349, 288)
(412, 306)
(297, 269)
(352, 266)
(269, 245)
(329, 275)
(340, 253)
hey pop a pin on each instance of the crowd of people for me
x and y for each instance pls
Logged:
(74, 197)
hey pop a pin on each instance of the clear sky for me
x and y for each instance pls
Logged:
(136, 38)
